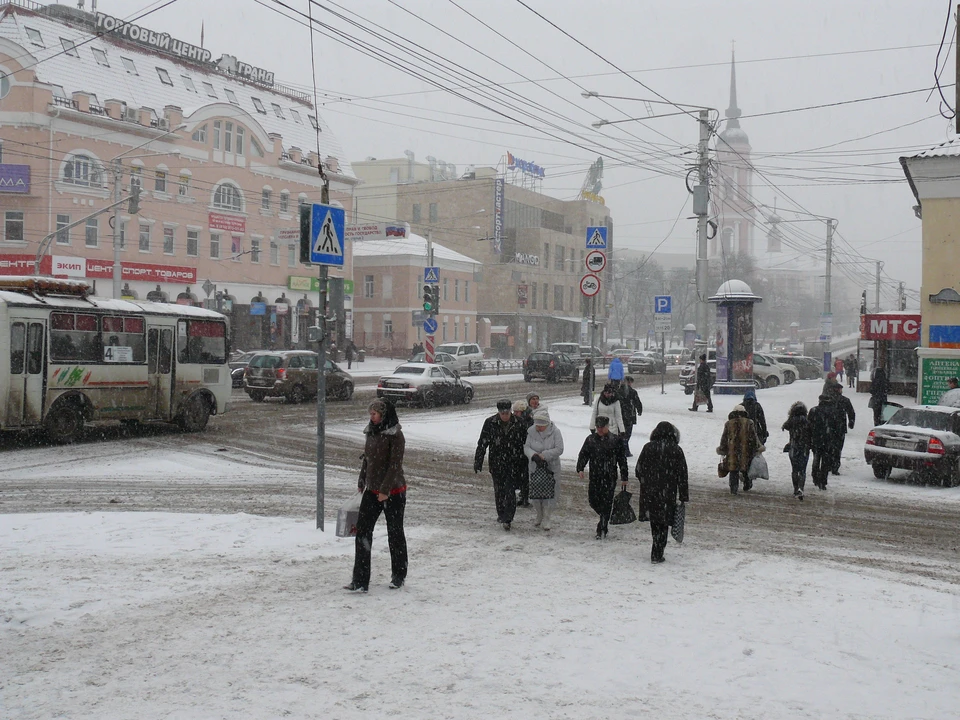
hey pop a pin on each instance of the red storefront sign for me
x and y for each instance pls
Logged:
(230, 223)
(890, 326)
(22, 264)
(103, 269)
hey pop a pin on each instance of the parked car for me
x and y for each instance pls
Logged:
(469, 356)
(789, 372)
(567, 348)
(292, 375)
(766, 372)
(439, 358)
(808, 368)
(425, 384)
(923, 438)
(646, 362)
(237, 366)
(551, 366)
(678, 356)
(598, 354)
(622, 353)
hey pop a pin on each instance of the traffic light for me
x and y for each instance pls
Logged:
(134, 206)
(428, 306)
(436, 299)
(305, 212)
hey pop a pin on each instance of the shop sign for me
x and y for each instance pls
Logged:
(23, 264)
(303, 284)
(528, 168)
(527, 259)
(934, 373)
(69, 266)
(282, 308)
(498, 190)
(891, 326)
(258, 308)
(376, 231)
(230, 223)
(288, 236)
(348, 287)
(14, 178)
(146, 272)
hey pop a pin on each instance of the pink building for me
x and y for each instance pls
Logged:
(223, 156)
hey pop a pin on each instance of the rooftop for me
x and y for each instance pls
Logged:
(415, 246)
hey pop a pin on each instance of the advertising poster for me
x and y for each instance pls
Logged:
(498, 190)
(741, 341)
(723, 358)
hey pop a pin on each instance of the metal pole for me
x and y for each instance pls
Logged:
(431, 344)
(702, 265)
(876, 304)
(663, 358)
(593, 342)
(117, 270)
(321, 366)
(827, 308)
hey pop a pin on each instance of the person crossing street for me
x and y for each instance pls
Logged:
(504, 435)
(604, 453)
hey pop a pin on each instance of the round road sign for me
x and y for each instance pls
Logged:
(589, 285)
(596, 261)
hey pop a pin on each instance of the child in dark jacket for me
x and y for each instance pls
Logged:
(798, 425)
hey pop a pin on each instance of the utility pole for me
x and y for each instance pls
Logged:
(956, 54)
(902, 297)
(876, 305)
(117, 271)
(827, 308)
(701, 203)
(429, 348)
(321, 367)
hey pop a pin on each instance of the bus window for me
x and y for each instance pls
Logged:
(153, 351)
(123, 332)
(35, 349)
(166, 351)
(202, 342)
(17, 338)
(74, 337)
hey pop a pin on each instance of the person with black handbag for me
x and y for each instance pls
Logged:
(605, 454)
(662, 472)
(543, 448)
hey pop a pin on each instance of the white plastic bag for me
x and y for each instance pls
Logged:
(347, 516)
(758, 468)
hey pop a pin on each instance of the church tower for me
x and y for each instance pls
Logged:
(732, 195)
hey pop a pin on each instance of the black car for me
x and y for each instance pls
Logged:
(237, 365)
(924, 439)
(551, 366)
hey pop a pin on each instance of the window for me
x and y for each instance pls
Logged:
(265, 199)
(100, 56)
(34, 36)
(160, 181)
(313, 121)
(533, 297)
(571, 305)
(239, 140)
(236, 247)
(456, 291)
(387, 326)
(558, 297)
(416, 212)
(123, 332)
(168, 241)
(257, 150)
(466, 329)
(433, 212)
(277, 110)
(200, 134)
(292, 251)
(546, 258)
(544, 296)
(208, 89)
(63, 235)
(456, 328)
(386, 290)
(144, 237)
(129, 66)
(259, 106)
(231, 96)
(69, 48)
(82, 170)
(228, 137)
(74, 337)
(466, 292)
(255, 249)
(193, 243)
(368, 286)
(216, 134)
(214, 246)
(561, 253)
(13, 226)
(188, 83)
(201, 342)
(444, 338)
(445, 289)
(227, 197)
(296, 116)
(184, 185)
(284, 201)
(164, 77)
(274, 252)
(92, 232)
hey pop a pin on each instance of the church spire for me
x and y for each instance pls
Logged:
(733, 112)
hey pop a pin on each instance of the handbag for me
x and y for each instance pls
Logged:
(758, 468)
(870, 402)
(622, 513)
(347, 516)
(699, 397)
(722, 468)
(679, 519)
(542, 484)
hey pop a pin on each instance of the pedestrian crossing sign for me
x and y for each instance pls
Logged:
(326, 235)
(431, 275)
(597, 238)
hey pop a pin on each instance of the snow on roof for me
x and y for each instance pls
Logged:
(145, 88)
(950, 148)
(414, 245)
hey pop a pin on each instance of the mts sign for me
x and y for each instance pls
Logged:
(891, 326)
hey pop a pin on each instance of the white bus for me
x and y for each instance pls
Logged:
(67, 358)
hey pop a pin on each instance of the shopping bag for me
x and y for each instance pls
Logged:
(758, 468)
(622, 513)
(542, 484)
(679, 519)
(699, 397)
(347, 516)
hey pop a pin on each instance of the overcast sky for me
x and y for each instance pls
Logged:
(789, 55)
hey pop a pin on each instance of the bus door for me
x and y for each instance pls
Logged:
(159, 369)
(27, 365)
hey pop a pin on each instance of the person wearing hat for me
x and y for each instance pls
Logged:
(543, 448)
(608, 403)
(533, 402)
(605, 454)
(755, 413)
(738, 445)
(523, 475)
(701, 390)
(384, 491)
(662, 472)
(504, 435)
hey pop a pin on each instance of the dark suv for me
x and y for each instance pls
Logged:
(292, 374)
(550, 366)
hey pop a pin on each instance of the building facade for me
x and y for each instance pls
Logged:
(92, 108)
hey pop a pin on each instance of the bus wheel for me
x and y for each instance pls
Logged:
(64, 423)
(195, 414)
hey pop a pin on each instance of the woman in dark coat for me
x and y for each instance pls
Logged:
(662, 472)
(384, 490)
(798, 425)
(755, 412)
(605, 454)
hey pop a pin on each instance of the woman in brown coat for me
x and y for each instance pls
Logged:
(384, 490)
(738, 444)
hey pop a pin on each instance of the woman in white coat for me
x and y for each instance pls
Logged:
(608, 403)
(544, 446)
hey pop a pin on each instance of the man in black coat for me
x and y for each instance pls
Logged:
(878, 391)
(604, 453)
(845, 417)
(701, 391)
(662, 472)
(631, 408)
(824, 438)
(504, 434)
